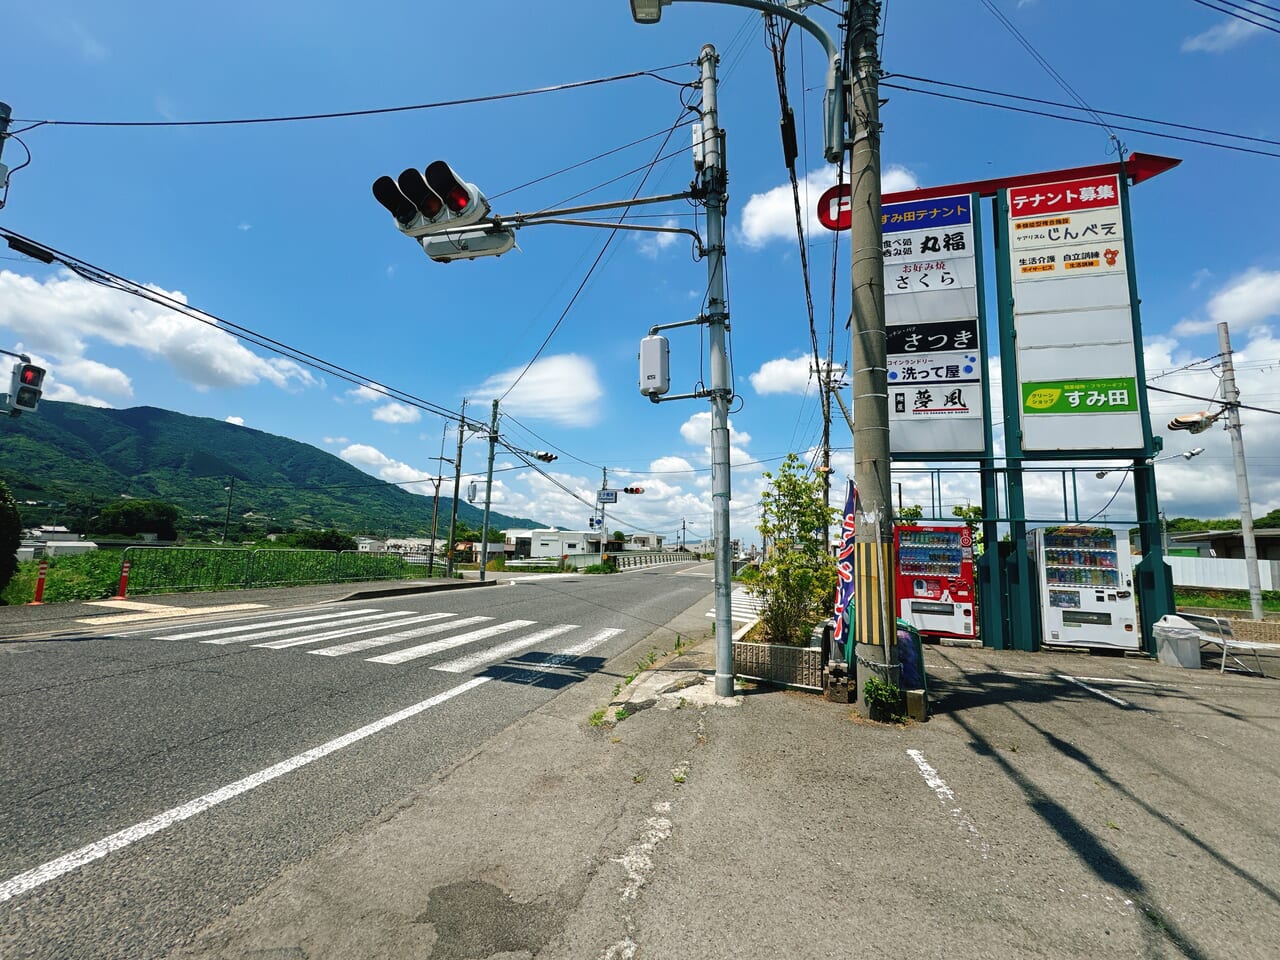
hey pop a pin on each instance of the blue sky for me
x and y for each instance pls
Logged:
(273, 227)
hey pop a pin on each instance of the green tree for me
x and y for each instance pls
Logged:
(320, 540)
(10, 536)
(129, 518)
(911, 514)
(798, 576)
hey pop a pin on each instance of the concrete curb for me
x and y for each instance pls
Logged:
(413, 586)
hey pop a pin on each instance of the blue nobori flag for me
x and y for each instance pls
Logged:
(844, 566)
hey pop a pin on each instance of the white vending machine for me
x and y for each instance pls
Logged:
(1085, 580)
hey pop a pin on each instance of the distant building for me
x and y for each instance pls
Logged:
(370, 545)
(1227, 543)
(557, 543)
(643, 541)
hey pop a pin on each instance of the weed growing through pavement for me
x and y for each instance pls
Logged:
(597, 718)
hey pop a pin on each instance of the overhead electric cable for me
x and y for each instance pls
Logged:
(595, 263)
(1193, 396)
(1240, 16)
(1048, 67)
(1084, 120)
(374, 111)
(1067, 106)
(103, 277)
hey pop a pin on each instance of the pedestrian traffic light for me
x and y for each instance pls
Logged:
(432, 201)
(25, 388)
(633, 489)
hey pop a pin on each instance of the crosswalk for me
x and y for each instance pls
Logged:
(363, 631)
(743, 607)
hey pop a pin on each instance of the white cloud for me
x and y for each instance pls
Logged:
(245, 227)
(1220, 38)
(63, 314)
(68, 394)
(397, 413)
(772, 215)
(671, 465)
(335, 441)
(372, 460)
(1246, 301)
(95, 376)
(652, 244)
(563, 389)
(697, 430)
(238, 421)
(390, 411)
(783, 376)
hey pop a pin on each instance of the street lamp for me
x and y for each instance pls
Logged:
(834, 143)
(1185, 455)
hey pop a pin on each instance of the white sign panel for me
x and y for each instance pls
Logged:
(1072, 317)
(933, 316)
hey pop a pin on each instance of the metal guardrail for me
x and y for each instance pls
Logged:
(183, 569)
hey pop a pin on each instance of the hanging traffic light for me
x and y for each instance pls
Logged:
(432, 201)
(435, 206)
(26, 384)
(633, 489)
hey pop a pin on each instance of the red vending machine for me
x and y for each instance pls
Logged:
(936, 579)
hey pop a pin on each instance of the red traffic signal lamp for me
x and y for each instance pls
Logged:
(25, 387)
(633, 489)
(430, 202)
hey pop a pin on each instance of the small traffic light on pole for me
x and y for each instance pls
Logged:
(633, 489)
(26, 384)
(435, 206)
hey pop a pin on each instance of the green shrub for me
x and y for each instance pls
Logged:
(86, 576)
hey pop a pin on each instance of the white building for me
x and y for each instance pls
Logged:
(557, 543)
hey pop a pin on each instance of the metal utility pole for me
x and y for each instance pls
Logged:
(488, 492)
(1231, 396)
(226, 521)
(435, 505)
(714, 179)
(874, 628)
(457, 481)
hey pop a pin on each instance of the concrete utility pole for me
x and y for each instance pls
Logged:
(1232, 398)
(488, 492)
(714, 179)
(457, 481)
(875, 624)
(435, 504)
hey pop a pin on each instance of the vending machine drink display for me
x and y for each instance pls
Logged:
(935, 579)
(1085, 580)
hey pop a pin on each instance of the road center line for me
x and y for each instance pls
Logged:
(28, 881)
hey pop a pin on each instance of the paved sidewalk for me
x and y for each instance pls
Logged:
(1057, 805)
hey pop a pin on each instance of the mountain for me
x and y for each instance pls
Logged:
(77, 459)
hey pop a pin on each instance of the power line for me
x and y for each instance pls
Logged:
(106, 278)
(595, 263)
(1048, 67)
(1192, 396)
(1084, 120)
(373, 111)
(1068, 106)
(1240, 16)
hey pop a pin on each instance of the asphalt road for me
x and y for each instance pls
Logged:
(157, 773)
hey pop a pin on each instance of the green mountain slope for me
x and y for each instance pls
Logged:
(79, 458)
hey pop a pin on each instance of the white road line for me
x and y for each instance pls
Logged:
(504, 650)
(1095, 691)
(159, 611)
(256, 624)
(569, 654)
(946, 797)
(345, 631)
(306, 638)
(355, 646)
(1054, 676)
(435, 646)
(28, 881)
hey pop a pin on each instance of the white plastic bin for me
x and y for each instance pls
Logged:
(1177, 642)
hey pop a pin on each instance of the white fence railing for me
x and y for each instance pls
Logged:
(1221, 573)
